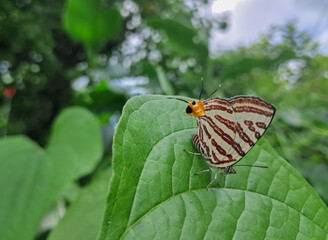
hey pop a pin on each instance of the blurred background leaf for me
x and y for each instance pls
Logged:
(32, 178)
(83, 219)
(180, 38)
(92, 24)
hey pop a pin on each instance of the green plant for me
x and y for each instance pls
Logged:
(92, 24)
(84, 216)
(32, 178)
(154, 193)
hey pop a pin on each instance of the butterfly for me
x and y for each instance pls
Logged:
(228, 129)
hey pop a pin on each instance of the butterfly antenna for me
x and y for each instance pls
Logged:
(213, 92)
(251, 166)
(201, 90)
(180, 99)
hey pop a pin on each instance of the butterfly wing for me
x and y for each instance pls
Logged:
(217, 132)
(231, 127)
(253, 116)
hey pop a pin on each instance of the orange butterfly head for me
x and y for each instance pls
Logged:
(196, 109)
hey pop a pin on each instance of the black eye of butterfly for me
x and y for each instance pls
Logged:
(188, 110)
(193, 103)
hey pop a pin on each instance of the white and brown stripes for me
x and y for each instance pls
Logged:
(219, 132)
(246, 104)
(212, 156)
(231, 128)
(196, 143)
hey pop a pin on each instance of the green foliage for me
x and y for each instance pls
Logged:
(89, 22)
(83, 219)
(32, 178)
(30, 58)
(123, 48)
(164, 82)
(100, 98)
(154, 193)
(181, 38)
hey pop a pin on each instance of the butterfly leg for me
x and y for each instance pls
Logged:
(208, 186)
(229, 170)
(206, 170)
(198, 154)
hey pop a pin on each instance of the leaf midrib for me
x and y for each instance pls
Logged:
(150, 151)
(159, 140)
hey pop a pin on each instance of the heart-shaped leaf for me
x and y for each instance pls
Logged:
(32, 178)
(154, 193)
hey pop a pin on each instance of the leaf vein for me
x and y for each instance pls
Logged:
(201, 189)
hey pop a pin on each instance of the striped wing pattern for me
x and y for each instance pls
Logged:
(231, 128)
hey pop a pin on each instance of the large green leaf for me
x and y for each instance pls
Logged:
(83, 218)
(154, 193)
(32, 178)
